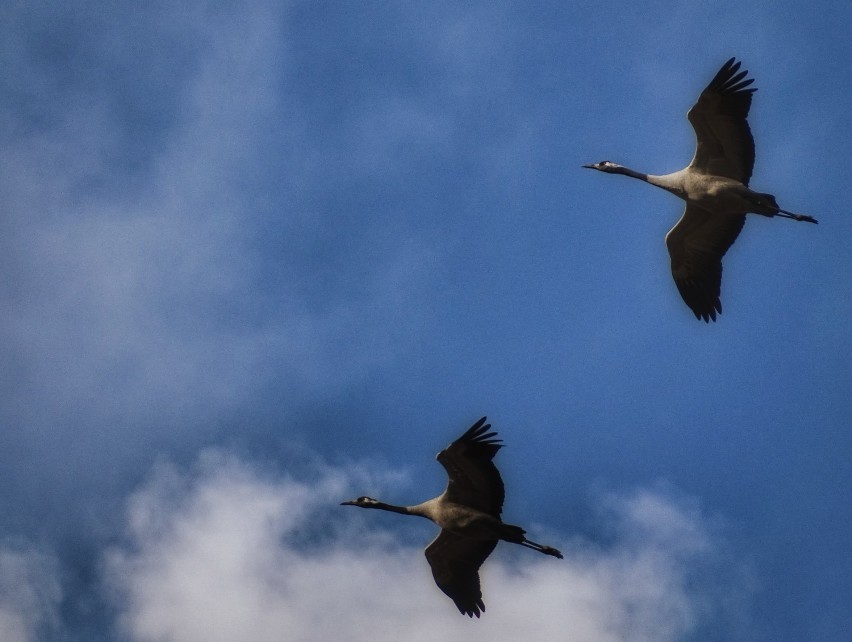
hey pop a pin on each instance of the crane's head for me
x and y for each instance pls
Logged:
(363, 502)
(606, 166)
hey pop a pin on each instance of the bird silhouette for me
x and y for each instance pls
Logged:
(468, 512)
(715, 188)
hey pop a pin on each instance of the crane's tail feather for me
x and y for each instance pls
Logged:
(512, 533)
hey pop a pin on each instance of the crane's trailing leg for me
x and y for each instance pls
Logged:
(517, 535)
(541, 548)
(796, 217)
(767, 205)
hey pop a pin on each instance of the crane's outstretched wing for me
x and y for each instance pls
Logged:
(724, 145)
(474, 479)
(696, 245)
(455, 563)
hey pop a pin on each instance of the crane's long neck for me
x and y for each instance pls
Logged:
(670, 182)
(632, 173)
(403, 510)
(427, 509)
(421, 510)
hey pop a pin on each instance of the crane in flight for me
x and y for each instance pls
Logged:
(468, 513)
(715, 188)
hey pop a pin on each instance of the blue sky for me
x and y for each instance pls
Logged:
(263, 257)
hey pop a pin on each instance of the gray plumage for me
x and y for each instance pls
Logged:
(715, 188)
(468, 512)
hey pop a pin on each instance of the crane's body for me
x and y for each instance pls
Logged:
(715, 188)
(466, 521)
(717, 195)
(468, 513)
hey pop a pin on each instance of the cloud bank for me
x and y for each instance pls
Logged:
(220, 553)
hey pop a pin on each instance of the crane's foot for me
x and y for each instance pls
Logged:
(549, 550)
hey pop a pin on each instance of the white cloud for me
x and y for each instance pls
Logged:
(30, 594)
(225, 553)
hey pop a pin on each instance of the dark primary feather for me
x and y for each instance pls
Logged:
(696, 246)
(455, 563)
(724, 144)
(473, 478)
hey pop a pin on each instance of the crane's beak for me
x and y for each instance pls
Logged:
(588, 166)
(350, 503)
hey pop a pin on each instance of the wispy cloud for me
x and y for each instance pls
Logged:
(159, 286)
(219, 553)
(30, 594)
